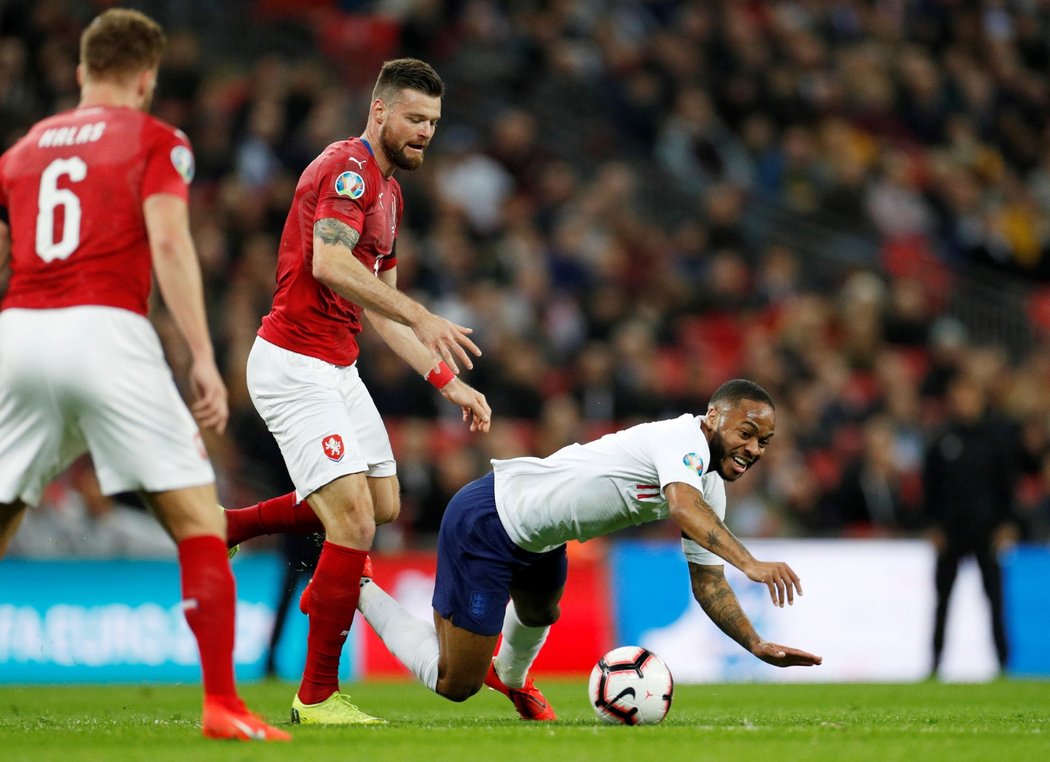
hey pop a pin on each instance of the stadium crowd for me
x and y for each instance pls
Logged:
(630, 202)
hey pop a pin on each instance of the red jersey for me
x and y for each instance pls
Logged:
(73, 188)
(343, 183)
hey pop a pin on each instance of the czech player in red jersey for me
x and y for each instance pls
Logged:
(336, 264)
(92, 200)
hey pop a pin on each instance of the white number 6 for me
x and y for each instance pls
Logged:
(51, 197)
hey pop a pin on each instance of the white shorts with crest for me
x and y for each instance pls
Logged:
(322, 416)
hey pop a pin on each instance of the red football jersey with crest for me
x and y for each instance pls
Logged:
(73, 188)
(343, 183)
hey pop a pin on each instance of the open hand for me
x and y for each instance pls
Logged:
(785, 656)
(780, 578)
(446, 341)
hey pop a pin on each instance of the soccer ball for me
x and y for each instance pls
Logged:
(630, 685)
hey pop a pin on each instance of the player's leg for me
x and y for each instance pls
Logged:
(947, 567)
(10, 517)
(36, 442)
(471, 588)
(534, 607)
(143, 438)
(526, 624)
(386, 498)
(992, 579)
(208, 595)
(345, 508)
(465, 658)
(448, 660)
(209, 603)
(305, 404)
(285, 514)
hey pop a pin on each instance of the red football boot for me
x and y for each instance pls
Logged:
(528, 700)
(220, 721)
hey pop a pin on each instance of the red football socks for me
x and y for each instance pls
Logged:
(278, 515)
(332, 602)
(209, 599)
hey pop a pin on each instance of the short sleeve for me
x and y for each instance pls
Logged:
(714, 492)
(169, 164)
(696, 554)
(679, 451)
(343, 194)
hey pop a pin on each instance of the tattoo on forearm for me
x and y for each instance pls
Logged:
(720, 603)
(335, 232)
(714, 536)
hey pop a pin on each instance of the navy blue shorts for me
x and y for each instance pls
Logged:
(478, 563)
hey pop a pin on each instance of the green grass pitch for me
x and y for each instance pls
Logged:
(998, 721)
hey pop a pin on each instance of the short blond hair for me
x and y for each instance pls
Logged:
(120, 42)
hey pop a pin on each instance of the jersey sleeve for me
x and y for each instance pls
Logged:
(169, 163)
(678, 450)
(343, 194)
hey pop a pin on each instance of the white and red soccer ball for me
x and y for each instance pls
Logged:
(630, 685)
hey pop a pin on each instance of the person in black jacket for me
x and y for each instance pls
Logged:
(968, 485)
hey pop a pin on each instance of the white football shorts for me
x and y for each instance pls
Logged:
(91, 378)
(322, 416)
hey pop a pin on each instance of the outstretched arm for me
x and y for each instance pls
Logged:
(409, 348)
(335, 266)
(701, 524)
(719, 602)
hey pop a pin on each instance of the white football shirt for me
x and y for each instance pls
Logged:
(593, 489)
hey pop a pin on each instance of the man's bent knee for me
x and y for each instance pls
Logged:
(539, 617)
(457, 690)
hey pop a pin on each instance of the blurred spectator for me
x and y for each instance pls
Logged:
(877, 496)
(968, 484)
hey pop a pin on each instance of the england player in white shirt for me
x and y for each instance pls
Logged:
(501, 547)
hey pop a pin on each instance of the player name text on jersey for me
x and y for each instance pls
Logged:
(71, 136)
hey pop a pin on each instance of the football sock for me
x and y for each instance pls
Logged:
(209, 600)
(412, 640)
(278, 515)
(332, 602)
(518, 650)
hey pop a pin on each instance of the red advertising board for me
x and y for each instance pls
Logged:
(583, 633)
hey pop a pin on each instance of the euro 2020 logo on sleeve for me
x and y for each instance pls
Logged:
(694, 462)
(350, 184)
(182, 160)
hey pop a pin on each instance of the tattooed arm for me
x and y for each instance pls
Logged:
(720, 603)
(701, 524)
(335, 267)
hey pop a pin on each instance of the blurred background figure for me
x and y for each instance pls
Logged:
(968, 482)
